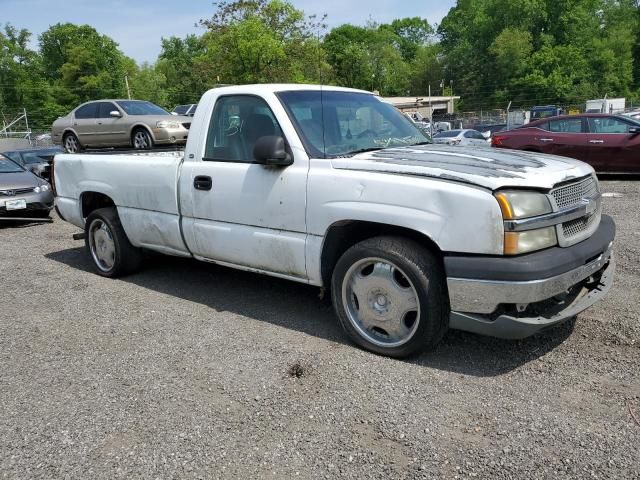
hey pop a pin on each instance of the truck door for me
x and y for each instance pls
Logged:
(235, 210)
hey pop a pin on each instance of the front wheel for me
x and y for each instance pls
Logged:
(142, 140)
(108, 245)
(390, 296)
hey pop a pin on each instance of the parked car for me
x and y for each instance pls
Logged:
(36, 160)
(465, 138)
(634, 114)
(188, 110)
(22, 194)
(119, 123)
(609, 143)
(331, 187)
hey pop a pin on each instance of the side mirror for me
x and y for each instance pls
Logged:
(634, 130)
(115, 114)
(271, 150)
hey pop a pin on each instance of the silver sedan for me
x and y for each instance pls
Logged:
(119, 123)
(22, 194)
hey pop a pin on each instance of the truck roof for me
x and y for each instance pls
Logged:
(283, 87)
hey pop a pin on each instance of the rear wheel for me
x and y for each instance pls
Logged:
(71, 143)
(108, 245)
(390, 297)
(141, 139)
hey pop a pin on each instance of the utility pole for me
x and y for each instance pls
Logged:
(430, 113)
(453, 107)
(126, 81)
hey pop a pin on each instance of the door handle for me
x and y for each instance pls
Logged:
(202, 182)
(596, 141)
(546, 139)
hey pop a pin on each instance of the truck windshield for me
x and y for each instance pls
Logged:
(137, 107)
(338, 124)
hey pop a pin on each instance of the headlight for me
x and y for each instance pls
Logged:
(516, 243)
(167, 124)
(517, 204)
(44, 188)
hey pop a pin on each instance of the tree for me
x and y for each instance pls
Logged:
(257, 41)
(186, 71)
(540, 51)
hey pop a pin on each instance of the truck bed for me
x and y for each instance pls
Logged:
(146, 195)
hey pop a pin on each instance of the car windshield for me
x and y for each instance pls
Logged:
(181, 109)
(335, 124)
(9, 166)
(137, 107)
(450, 133)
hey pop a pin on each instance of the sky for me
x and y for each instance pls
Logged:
(138, 25)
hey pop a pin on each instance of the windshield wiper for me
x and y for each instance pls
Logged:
(419, 143)
(364, 150)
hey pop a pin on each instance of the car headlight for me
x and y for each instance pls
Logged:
(167, 124)
(516, 205)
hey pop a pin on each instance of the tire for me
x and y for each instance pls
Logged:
(108, 246)
(141, 139)
(71, 143)
(390, 296)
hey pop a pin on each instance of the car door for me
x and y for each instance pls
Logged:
(236, 211)
(612, 147)
(84, 123)
(567, 137)
(475, 139)
(110, 130)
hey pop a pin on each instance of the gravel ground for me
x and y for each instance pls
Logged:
(189, 370)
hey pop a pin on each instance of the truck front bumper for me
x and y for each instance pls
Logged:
(515, 297)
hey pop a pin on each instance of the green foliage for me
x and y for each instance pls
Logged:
(262, 41)
(494, 51)
(541, 51)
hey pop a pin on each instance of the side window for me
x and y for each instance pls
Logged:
(608, 125)
(237, 122)
(566, 125)
(474, 134)
(105, 108)
(86, 111)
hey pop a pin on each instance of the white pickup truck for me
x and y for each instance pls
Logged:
(335, 188)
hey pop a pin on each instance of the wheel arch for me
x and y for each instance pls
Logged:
(67, 131)
(342, 235)
(139, 126)
(92, 200)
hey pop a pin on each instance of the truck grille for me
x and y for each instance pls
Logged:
(566, 196)
(572, 194)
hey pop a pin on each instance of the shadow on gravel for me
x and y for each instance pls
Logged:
(13, 224)
(297, 307)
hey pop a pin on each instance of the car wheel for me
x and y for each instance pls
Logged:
(142, 140)
(390, 297)
(108, 245)
(71, 143)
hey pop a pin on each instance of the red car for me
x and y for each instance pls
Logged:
(609, 143)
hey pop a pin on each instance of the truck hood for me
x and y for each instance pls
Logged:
(485, 167)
